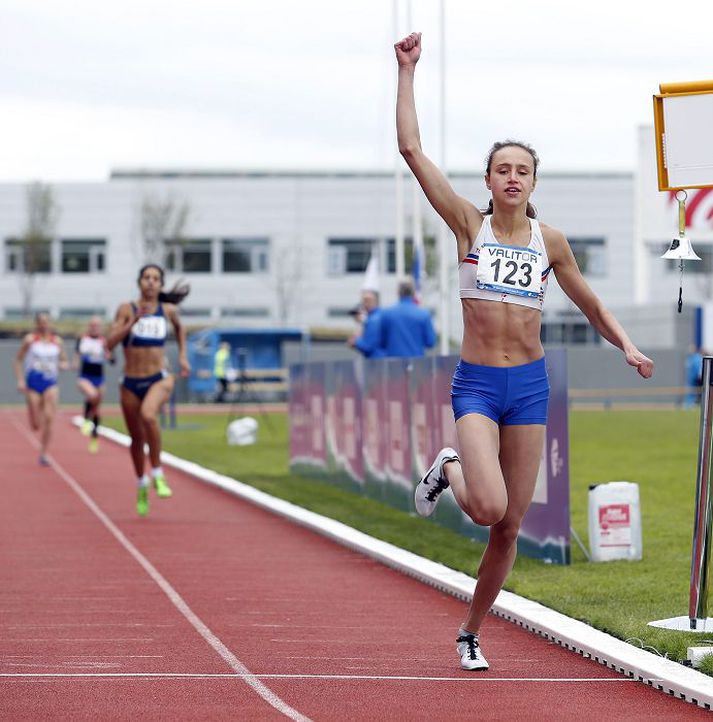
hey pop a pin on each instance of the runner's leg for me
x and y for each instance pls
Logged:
(156, 396)
(49, 406)
(131, 408)
(477, 481)
(520, 454)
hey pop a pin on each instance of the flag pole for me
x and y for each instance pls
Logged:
(398, 180)
(443, 317)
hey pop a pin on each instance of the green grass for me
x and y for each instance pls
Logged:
(656, 449)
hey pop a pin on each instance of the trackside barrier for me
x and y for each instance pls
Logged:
(374, 427)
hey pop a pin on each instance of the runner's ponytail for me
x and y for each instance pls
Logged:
(176, 294)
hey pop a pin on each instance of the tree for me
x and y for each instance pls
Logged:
(161, 220)
(36, 241)
(288, 275)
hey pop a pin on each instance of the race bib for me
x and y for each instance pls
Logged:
(45, 366)
(92, 349)
(509, 269)
(150, 327)
(44, 359)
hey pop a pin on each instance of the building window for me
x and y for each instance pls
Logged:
(193, 312)
(590, 254)
(349, 255)
(78, 312)
(235, 312)
(191, 256)
(14, 313)
(340, 312)
(80, 255)
(245, 255)
(568, 333)
(391, 253)
(22, 257)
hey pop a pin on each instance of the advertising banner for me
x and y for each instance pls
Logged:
(374, 445)
(396, 425)
(343, 425)
(308, 449)
(384, 421)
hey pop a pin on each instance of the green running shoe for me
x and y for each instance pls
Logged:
(87, 427)
(93, 445)
(142, 500)
(163, 490)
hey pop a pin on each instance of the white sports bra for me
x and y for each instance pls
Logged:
(43, 356)
(509, 274)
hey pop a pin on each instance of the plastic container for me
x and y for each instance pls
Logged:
(242, 432)
(615, 521)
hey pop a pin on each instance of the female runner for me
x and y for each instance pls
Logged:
(90, 357)
(500, 389)
(141, 327)
(37, 365)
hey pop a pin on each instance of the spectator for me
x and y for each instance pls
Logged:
(369, 316)
(221, 364)
(406, 328)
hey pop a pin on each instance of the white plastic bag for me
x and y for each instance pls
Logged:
(242, 432)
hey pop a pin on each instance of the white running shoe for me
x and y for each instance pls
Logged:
(433, 483)
(471, 657)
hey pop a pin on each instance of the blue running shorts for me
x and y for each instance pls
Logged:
(38, 382)
(95, 381)
(508, 395)
(140, 385)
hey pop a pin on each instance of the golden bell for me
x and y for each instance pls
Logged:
(681, 250)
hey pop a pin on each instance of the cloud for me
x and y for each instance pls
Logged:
(311, 84)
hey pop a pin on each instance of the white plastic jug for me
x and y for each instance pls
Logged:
(614, 521)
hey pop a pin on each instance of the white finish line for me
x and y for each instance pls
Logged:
(384, 677)
(663, 674)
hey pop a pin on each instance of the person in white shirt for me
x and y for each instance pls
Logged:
(37, 366)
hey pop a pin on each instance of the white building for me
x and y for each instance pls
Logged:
(271, 249)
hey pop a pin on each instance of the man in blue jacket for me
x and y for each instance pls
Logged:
(369, 341)
(406, 327)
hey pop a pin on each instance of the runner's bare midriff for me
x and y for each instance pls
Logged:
(143, 361)
(500, 334)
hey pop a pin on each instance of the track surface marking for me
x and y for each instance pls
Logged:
(335, 635)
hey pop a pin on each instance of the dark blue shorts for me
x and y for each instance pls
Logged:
(37, 381)
(508, 395)
(95, 381)
(140, 385)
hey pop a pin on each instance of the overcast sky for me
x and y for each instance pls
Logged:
(86, 87)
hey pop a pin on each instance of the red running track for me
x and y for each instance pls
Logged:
(211, 608)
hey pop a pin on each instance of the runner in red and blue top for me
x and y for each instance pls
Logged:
(37, 366)
(141, 327)
(91, 354)
(500, 389)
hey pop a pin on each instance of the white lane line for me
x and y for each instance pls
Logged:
(367, 677)
(233, 662)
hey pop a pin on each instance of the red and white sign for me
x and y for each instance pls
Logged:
(615, 525)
